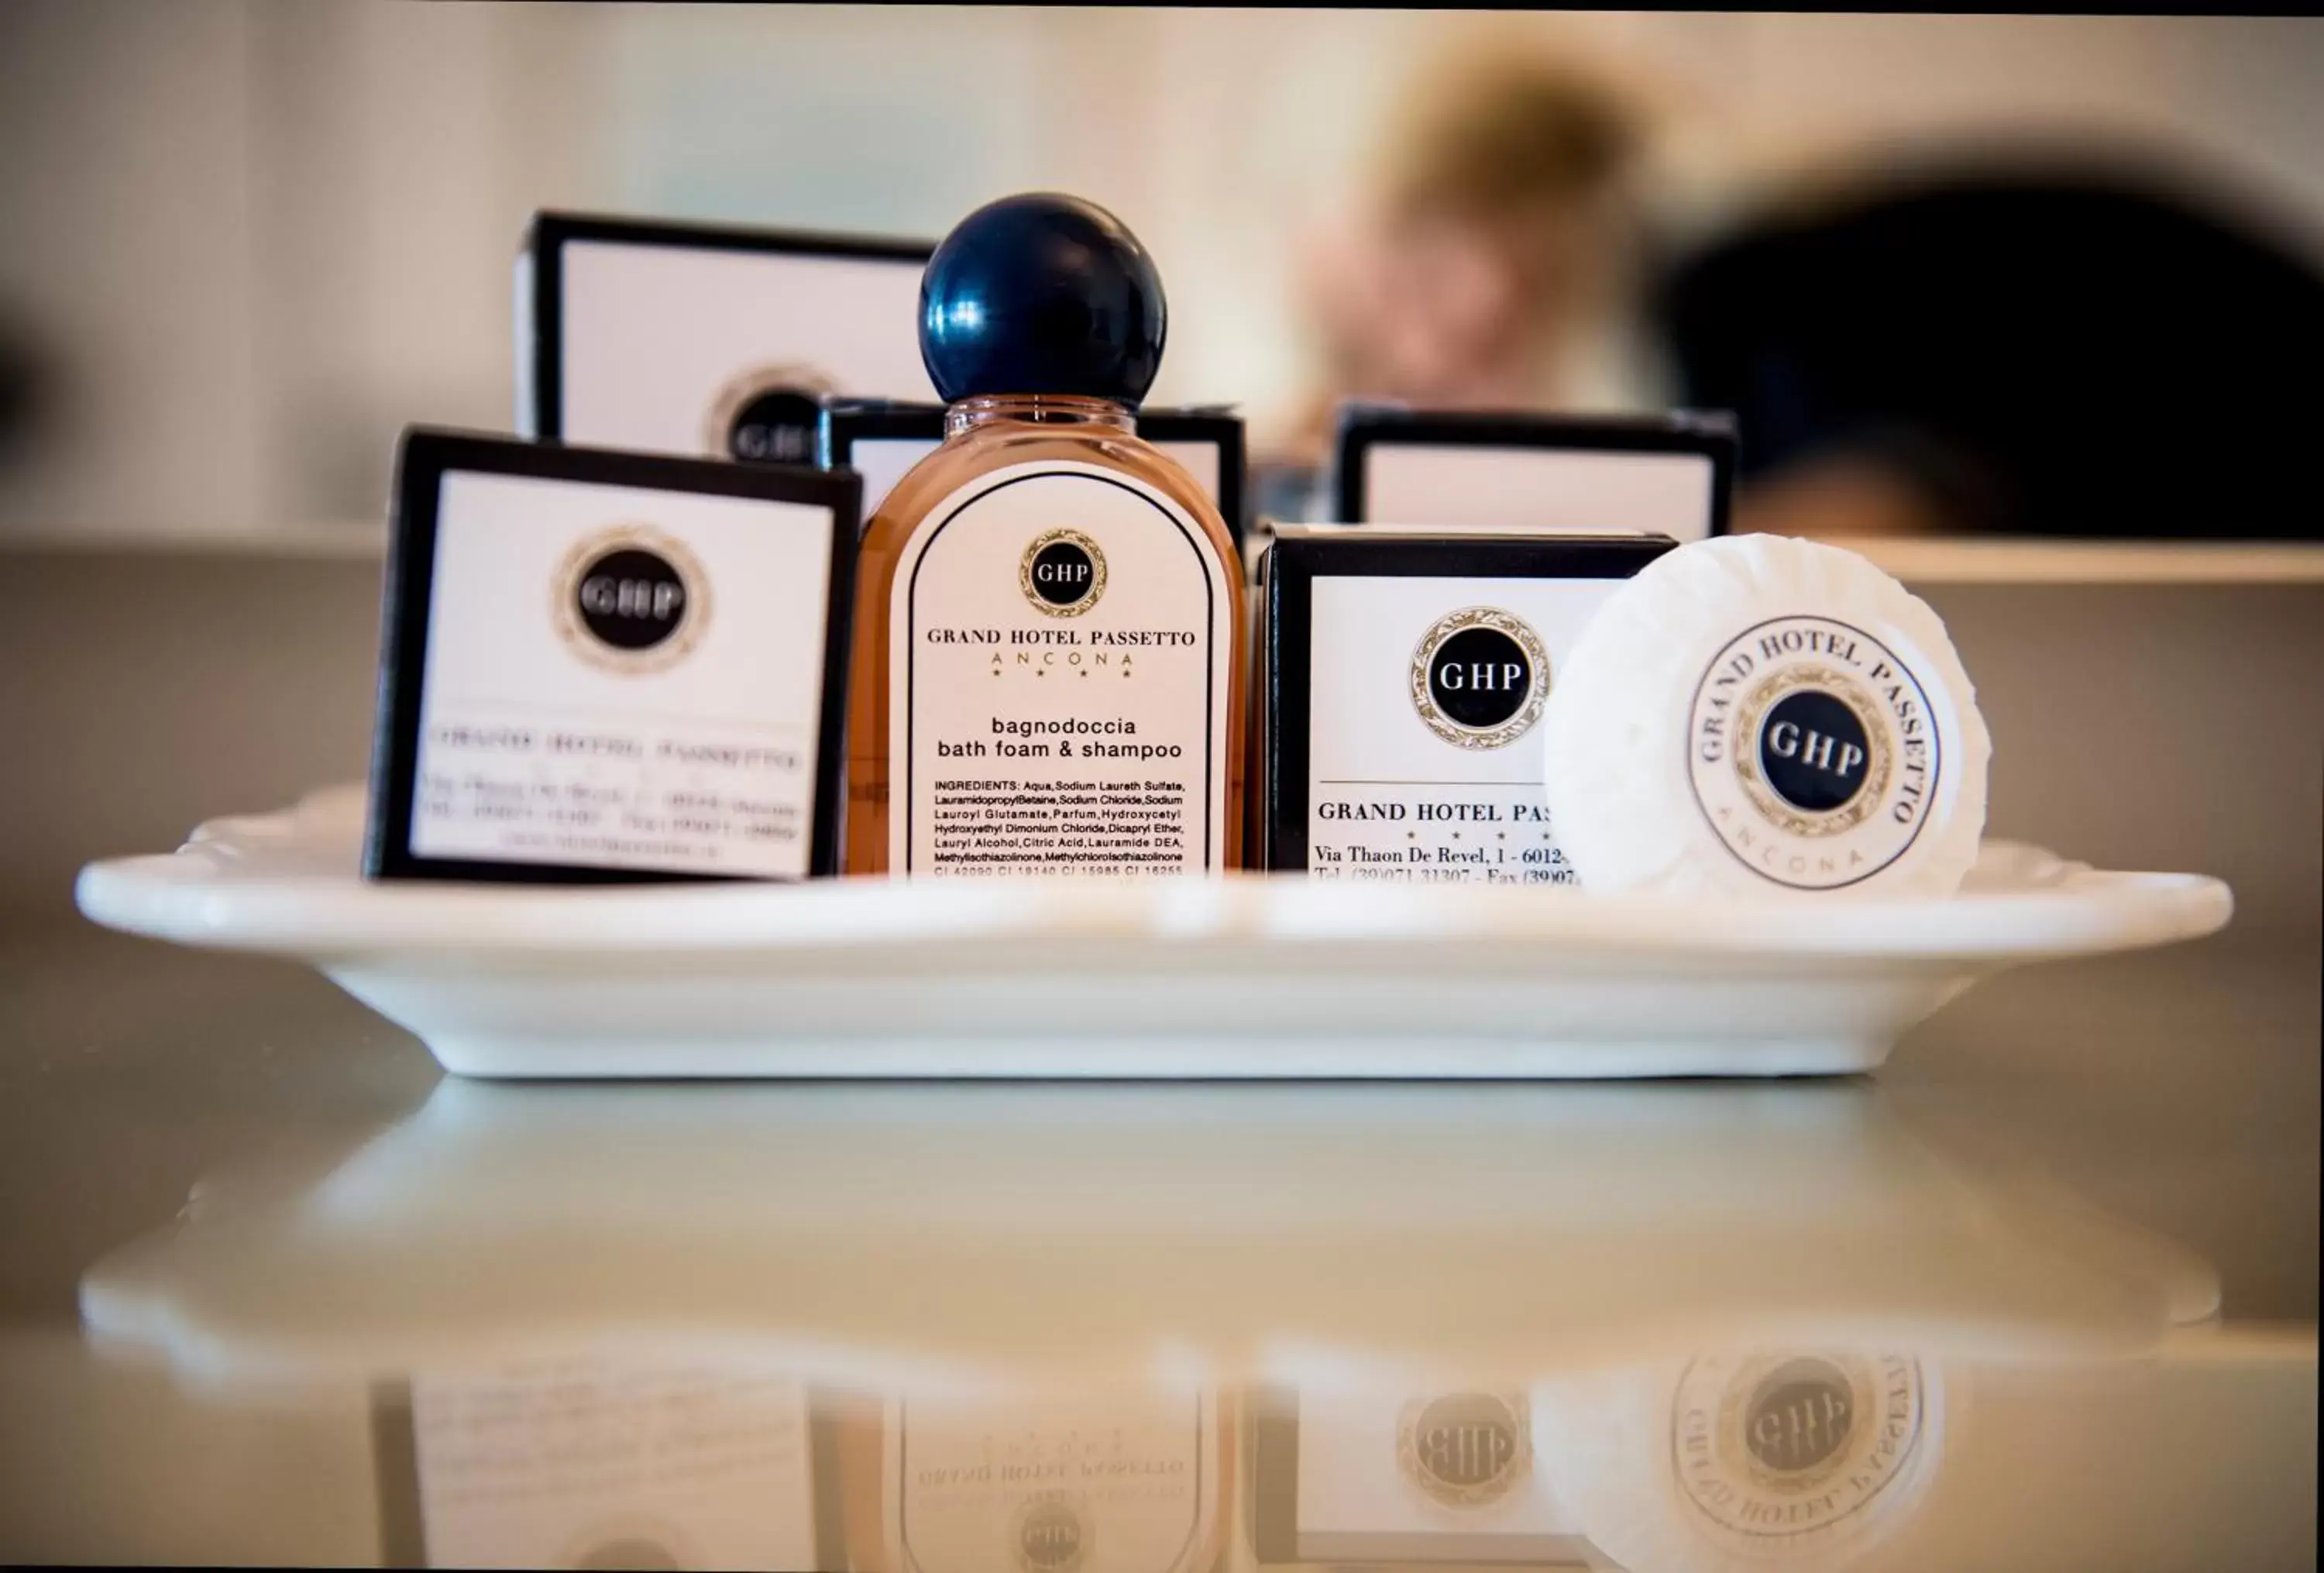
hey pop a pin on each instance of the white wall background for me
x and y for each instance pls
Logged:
(259, 236)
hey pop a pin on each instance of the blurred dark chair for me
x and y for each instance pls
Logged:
(2079, 346)
(28, 384)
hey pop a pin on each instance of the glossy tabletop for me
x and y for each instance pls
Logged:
(2042, 1294)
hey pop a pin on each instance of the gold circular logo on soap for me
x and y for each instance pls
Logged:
(1813, 751)
(1813, 754)
(1051, 1535)
(1782, 1445)
(1465, 1450)
(631, 599)
(768, 414)
(1062, 573)
(1480, 678)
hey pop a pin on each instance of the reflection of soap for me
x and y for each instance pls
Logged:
(1760, 713)
(1791, 1457)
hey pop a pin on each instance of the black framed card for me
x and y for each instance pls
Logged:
(599, 666)
(1209, 443)
(1402, 676)
(714, 340)
(881, 439)
(1427, 469)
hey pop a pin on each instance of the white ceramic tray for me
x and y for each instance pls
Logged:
(1248, 975)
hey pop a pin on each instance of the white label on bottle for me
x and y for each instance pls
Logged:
(619, 678)
(1424, 752)
(1060, 662)
(1126, 1483)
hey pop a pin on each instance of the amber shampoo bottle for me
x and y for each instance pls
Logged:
(1049, 645)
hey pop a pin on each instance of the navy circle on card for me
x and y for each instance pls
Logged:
(776, 426)
(1480, 678)
(631, 598)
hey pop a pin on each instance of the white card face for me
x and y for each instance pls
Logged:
(881, 461)
(1127, 1483)
(622, 678)
(1391, 796)
(662, 345)
(596, 1463)
(1200, 460)
(1448, 1478)
(1538, 488)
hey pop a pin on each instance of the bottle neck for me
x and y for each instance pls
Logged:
(1036, 409)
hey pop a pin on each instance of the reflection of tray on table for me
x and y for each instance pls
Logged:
(1029, 1258)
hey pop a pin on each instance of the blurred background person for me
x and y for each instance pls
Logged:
(339, 267)
(1487, 261)
(2007, 335)
(2086, 341)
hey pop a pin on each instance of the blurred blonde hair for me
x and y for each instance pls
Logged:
(1532, 148)
(1501, 129)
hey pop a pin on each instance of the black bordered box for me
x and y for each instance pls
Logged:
(713, 340)
(1427, 469)
(1208, 441)
(881, 439)
(603, 667)
(1403, 678)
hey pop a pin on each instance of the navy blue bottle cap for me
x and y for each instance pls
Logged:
(1041, 295)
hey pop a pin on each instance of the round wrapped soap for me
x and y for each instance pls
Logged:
(1761, 714)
